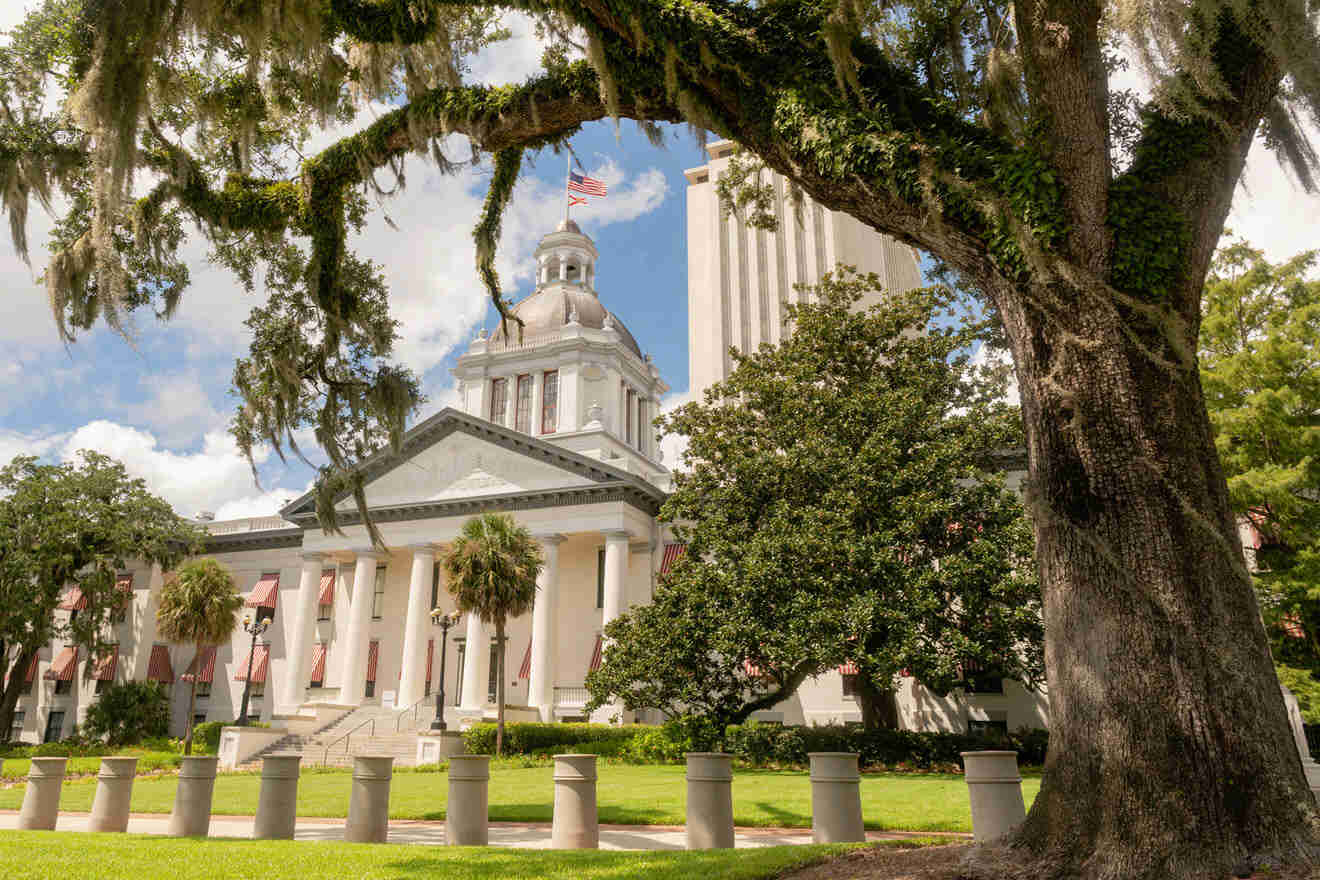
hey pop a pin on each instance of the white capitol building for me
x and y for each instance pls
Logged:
(555, 429)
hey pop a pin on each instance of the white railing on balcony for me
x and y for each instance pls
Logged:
(250, 524)
(576, 695)
(512, 343)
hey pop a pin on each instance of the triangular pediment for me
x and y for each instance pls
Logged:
(453, 456)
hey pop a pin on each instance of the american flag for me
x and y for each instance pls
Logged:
(586, 185)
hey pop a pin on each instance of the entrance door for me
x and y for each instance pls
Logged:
(54, 726)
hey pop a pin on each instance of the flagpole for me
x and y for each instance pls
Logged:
(568, 170)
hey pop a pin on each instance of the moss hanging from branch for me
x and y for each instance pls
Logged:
(487, 234)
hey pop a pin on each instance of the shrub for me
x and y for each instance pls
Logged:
(206, 736)
(525, 737)
(125, 714)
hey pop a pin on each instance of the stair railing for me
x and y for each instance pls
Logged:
(415, 708)
(325, 758)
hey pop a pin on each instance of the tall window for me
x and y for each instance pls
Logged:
(378, 597)
(628, 417)
(492, 680)
(641, 423)
(461, 647)
(435, 585)
(550, 402)
(499, 399)
(19, 717)
(600, 578)
(522, 414)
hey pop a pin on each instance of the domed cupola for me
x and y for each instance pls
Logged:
(567, 256)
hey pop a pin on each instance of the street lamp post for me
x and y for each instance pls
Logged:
(444, 621)
(257, 627)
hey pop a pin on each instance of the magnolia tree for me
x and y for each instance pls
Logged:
(839, 507)
(990, 135)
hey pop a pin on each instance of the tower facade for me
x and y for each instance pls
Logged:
(741, 280)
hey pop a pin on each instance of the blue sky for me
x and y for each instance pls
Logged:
(159, 401)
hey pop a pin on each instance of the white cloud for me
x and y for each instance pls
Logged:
(672, 446)
(263, 504)
(987, 356)
(14, 443)
(178, 408)
(513, 60)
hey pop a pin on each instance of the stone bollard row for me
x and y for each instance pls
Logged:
(369, 802)
(576, 824)
(836, 798)
(114, 793)
(709, 800)
(995, 789)
(467, 814)
(277, 805)
(41, 800)
(191, 816)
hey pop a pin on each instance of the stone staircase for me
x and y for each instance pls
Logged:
(394, 733)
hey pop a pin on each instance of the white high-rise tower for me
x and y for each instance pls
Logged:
(740, 279)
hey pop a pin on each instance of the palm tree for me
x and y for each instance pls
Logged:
(198, 607)
(491, 571)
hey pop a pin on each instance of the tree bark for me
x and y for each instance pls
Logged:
(879, 705)
(1170, 752)
(15, 682)
(499, 687)
(192, 702)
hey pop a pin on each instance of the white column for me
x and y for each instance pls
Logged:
(476, 664)
(616, 574)
(411, 682)
(352, 680)
(541, 683)
(295, 675)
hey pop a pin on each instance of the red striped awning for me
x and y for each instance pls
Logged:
(849, 668)
(32, 668)
(318, 662)
(205, 661)
(64, 665)
(104, 670)
(265, 593)
(430, 655)
(525, 671)
(74, 600)
(751, 668)
(260, 663)
(124, 584)
(595, 655)
(327, 596)
(159, 667)
(373, 657)
(672, 553)
(1292, 626)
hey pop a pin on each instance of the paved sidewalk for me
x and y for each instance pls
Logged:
(526, 835)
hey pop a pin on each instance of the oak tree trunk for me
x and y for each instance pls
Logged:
(1170, 752)
(879, 705)
(15, 682)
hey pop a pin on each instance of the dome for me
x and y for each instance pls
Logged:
(548, 310)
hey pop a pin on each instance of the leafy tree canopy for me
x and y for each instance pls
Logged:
(77, 524)
(839, 506)
(1260, 365)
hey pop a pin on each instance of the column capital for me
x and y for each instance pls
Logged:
(550, 538)
(312, 556)
(616, 534)
(368, 553)
(424, 547)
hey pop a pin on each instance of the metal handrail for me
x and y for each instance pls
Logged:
(325, 758)
(398, 722)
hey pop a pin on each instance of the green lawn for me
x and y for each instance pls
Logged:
(17, 768)
(628, 794)
(41, 855)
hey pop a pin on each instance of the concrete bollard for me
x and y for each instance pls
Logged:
(709, 800)
(277, 805)
(114, 793)
(836, 798)
(467, 814)
(41, 800)
(369, 802)
(191, 816)
(576, 824)
(995, 788)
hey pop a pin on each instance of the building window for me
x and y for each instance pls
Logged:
(323, 612)
(461, 647)
(987, 728)
(378, 597)
(63, 686)
(73, 615)
(628, 417)
(435, 585)
(102, 684)
(979, 680)
(258, 690)
(499, 399)
(54, 726)
(550, 402)
(493, 678)
(522, 414)
(27, 688)
(203, 689)
(199, 718)
(19, 716)
(849, 685)
(369, 690)
(600, 578)
(641, 423)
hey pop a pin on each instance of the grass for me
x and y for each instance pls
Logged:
(17, 768)
(41, 855)
(627, 794)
